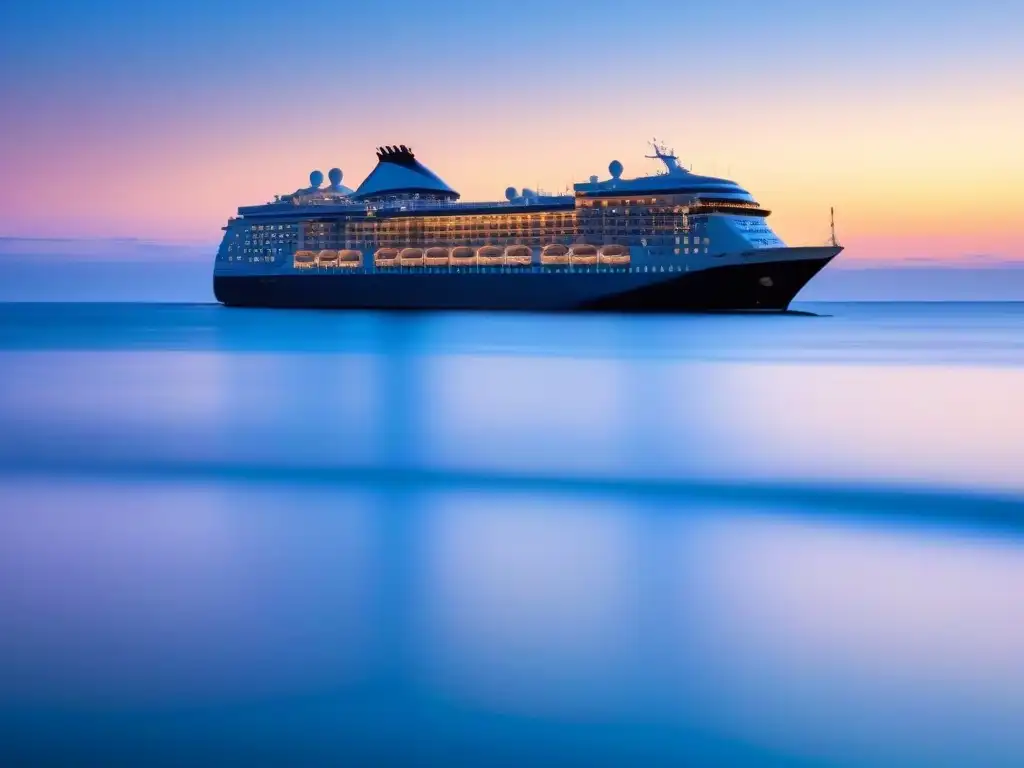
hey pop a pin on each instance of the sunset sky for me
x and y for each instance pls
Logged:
(158, 119)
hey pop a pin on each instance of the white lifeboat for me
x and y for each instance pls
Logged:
(554, 254)
(518, 255)
(436, 257)
(490, 256)
(304, 259)
(386, 257)
(327, 259)
(463, 256)
(350, 259)
(614, 254)
(581, 253)
(411, 257)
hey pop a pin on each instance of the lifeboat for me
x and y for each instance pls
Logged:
(554, 254)
(581, 253)
(614, 254)
(350, 259)
(411, 257)
(490, 256)
(386, 257)
(518, 256)
(304, 259)
(436, 257)
(463, 256)
(327, 259)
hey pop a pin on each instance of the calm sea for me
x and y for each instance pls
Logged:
(233, 537)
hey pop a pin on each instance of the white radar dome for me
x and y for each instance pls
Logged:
(335, 176)
(615, 169)
(511, 194)
(316, 178)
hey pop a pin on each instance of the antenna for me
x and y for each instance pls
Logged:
(667, 157)
(832, 225)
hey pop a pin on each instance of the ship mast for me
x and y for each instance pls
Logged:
(832, 226)
(667, 156)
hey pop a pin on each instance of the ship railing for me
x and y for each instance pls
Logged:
(433, 205)
(344, 206)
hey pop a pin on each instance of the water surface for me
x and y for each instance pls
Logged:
(256, 537)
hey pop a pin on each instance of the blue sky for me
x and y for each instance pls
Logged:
(156, 120)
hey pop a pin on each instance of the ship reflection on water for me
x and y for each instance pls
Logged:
(722, 540)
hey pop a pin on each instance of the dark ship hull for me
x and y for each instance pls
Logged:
(752, 286)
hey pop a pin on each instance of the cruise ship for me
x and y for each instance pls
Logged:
(404, 239)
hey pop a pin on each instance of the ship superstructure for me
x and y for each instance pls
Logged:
(405, 239)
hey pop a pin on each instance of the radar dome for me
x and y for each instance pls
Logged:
(511, 194)
(529, 193)
(316, 178)
(593, 179)
(335, 176)
(615, 169)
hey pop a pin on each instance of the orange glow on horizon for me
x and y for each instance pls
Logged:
(911, 179)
